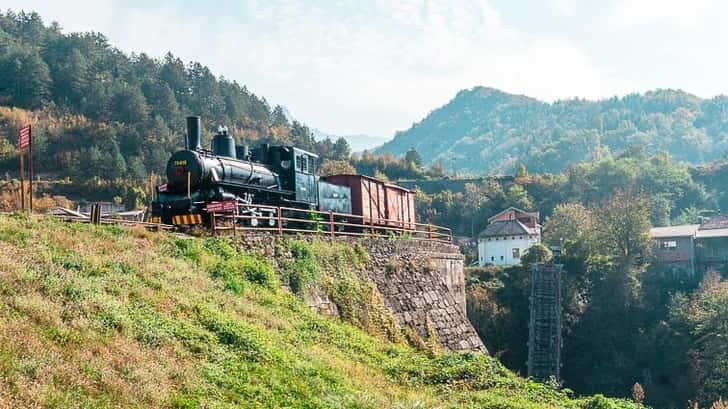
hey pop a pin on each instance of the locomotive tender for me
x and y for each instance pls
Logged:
(261, 180)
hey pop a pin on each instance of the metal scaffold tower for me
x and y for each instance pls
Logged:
(544, 329)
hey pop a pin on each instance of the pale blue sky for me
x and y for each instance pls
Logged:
(376, 67)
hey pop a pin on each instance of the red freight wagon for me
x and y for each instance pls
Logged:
(378, 203)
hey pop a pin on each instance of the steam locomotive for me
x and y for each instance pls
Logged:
(266, 175)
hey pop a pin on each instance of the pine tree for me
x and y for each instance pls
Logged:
(412, 156)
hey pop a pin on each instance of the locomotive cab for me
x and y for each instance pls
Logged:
(296, 169)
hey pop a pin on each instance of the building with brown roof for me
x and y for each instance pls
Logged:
(507, 237)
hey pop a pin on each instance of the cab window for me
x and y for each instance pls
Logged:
(311, 164)
(304, 164)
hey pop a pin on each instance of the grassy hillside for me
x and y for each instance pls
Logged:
(95, 317)
(486, 131)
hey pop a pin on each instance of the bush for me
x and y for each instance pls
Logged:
(220, 247)
(228, 272)
(244, 338)
(305, 270)
(258, 271)
(183, 248)
(244, 267)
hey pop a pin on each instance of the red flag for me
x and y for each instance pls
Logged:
(24, 137)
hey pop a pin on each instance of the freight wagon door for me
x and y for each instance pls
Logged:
(381, 204)
(410, 204)
(366, 200)
(394, 207)
(372, 197)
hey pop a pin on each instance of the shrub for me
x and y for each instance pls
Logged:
(183, 248)
(227, 271)
(305, 270)
(220, 247)
(242, 268)
(245, 339)
(257, 270)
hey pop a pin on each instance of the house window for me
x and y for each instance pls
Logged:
(492, 258)
(501, 257)
(521, 237)
(516, 253)
(669, 244)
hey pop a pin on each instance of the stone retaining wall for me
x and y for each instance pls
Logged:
(422, 284)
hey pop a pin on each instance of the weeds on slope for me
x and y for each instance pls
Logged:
(102, 317)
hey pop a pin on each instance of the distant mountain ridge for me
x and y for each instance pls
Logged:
(358, 142)
(484, 130)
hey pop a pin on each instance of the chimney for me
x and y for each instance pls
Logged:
(193, 133)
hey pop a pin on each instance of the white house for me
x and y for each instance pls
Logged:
(508, 235)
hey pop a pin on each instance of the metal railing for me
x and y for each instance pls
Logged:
(287, 220)
(282, 220)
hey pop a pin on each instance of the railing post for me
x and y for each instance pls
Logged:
(213, 224)
(235, 221)
(429, 230)
(280, 222)
(331, 223)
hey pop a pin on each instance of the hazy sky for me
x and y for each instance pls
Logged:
(376, 67)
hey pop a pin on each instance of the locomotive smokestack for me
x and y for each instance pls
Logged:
(193, 133)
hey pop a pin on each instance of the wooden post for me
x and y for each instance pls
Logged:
(22, 182)
(30, 154)
(95, 216)
(331, 223)
(280, 222)
(213, 224)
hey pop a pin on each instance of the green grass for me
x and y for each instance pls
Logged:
(103, 317)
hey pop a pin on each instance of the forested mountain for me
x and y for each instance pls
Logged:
(99, 112)
(486, 131)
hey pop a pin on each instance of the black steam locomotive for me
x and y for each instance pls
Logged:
(264, 176)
